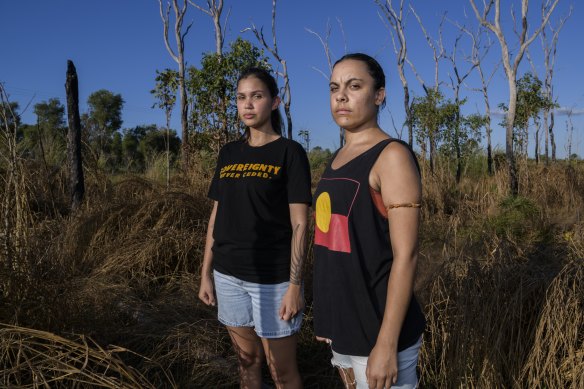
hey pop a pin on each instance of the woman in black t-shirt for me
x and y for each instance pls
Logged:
(256, 238)
(366, 239)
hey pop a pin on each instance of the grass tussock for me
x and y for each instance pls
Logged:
(500, 279)
(38, 359)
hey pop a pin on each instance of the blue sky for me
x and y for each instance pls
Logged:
(118, 45)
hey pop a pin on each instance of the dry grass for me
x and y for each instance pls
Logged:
(38, 359)
(557, 357)
(500, 280)
(502, 283)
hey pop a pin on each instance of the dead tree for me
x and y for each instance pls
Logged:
(328, 54)
(75, 158)
(570, 134)
(286, 95)
(510, 65)
(214, 10)
(478, 53)
(549, 53)
(437, 48)
(455, 84)
(397, 23)
(178, 57)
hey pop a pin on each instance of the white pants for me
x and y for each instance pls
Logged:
(407, 361)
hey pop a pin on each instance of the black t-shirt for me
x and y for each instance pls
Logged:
(254, 187)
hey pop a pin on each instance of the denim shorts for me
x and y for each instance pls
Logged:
(247, 304)
(407, 361)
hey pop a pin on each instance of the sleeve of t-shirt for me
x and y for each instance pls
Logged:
(298, 175)
(213, 193)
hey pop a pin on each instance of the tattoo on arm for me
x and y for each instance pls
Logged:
(298, 254)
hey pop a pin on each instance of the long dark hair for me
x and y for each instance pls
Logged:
(270, 82)
(373, 68)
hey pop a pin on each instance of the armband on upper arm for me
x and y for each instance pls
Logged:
(403, 205)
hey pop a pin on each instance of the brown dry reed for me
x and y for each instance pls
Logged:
(39, 359)
(500, 280)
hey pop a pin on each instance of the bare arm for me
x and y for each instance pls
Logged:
(292, 303)
(395, 174)
(206, 290)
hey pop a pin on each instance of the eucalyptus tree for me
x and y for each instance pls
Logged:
(479, 50)
(165, 94)
(177, 55)
(433, 93)
(103, 119)
(431, 115)
(48, 138)
(457, 79)
(531, 101)
(511, 64)
(549, 45)
(212, 83)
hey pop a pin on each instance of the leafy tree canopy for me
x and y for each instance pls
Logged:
(212, 87)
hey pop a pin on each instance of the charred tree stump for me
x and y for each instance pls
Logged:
(74, 156)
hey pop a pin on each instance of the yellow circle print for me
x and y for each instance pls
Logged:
(323, 212)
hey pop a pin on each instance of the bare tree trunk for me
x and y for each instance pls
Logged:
(287, 95)
(547, 136)
(538, 127)
(408, 109)
(327, 52)
(437, 48)
(457, 148)
(552, 137)
(537, 146)
(489, 151)
(167, 149)
(77, 184)
(509, 153)
(179, 14)
(570, 134)
(396, 21)
(549, 51)
(488, 128)
(511, 66)
(479, 52)
(214, 10)
(287, 99)
(432, 153)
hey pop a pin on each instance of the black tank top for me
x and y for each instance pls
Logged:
(352, 260)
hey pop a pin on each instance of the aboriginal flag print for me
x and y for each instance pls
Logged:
(333, 207)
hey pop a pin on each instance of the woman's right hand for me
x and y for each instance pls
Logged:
(326, 340)
(206, 290)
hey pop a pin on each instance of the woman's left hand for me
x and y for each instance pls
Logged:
(381, 368)
(292, 303)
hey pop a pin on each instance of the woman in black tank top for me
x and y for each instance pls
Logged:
(366, 239)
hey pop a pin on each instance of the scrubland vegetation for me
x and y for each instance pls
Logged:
(106, 297)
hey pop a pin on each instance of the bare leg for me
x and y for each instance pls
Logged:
(248, 348)
(348, 378)
(281, 358)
